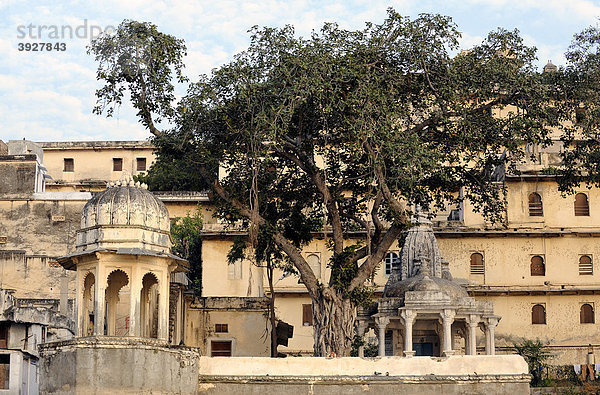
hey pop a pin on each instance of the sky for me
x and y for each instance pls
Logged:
(49, 95)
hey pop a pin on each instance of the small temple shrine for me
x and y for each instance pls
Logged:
(423, 310)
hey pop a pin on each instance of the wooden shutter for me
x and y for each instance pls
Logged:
(3, 336)
(582, 207)
(307, 317)
(477, 266)
(69, 165)
(4, 371)
(141, 164)
(538, 314)
(117, 164)
(535, 205)
(586, 314)
(220, 348)
(537, 266)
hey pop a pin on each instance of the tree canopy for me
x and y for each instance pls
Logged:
(346, 131)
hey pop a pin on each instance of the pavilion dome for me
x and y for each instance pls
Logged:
(125, 215)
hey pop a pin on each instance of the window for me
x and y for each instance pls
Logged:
(391, 262)
(235, 270)
(220, 348)
(477, 265)
(586, 268)
(582, 207)
(4, 371)
(3, 335)
(538, 268)
(69, 165)
(580, 115)
(538, 314)
(535, 205)
(140, 164)
(586, 314)
(314, 262)
(117, 164)
(307, 316)
(221, 328)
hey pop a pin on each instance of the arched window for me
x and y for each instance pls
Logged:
(538, 268)
(314, 262)
(538, 314)
(391, 262)
(586, 314)
(586, 268)
(477, 265)
(582, 206)
(535, 205)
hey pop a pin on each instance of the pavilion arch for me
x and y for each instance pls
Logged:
(89, 299)
(117, 309)
(149, 306)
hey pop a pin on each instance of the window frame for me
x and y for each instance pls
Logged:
(534, 211)
(218, 352)
(389, 262)
(138, 161)
(545, 317)
(593, 313)
(68, 165)
(117, 164)
(307, 315)
(582, 210)
(221, 328)
(543, 258)
(475, 270)
(591, 265)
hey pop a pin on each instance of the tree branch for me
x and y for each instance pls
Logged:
(306, 274)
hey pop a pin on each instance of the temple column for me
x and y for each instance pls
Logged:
(362, 328)
(382, 323)
(447, 320)
(408, 317)
(471, 344)
(490, 343)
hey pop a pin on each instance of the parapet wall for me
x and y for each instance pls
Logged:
(113, 365)
(497, 374)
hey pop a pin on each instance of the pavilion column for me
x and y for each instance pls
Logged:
(471, 346)
(100, 302)
(163, 306)
(362, 328)
(409, 319)
(382, 323)
(135, 288)
(447, 320)
(490, 343)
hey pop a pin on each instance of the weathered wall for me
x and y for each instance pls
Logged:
(117, 365)
(248, 326)
(17, 174)
(389, 375)
(93, 162)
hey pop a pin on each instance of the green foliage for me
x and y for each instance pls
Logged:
(370, 350)
(333, 133)
(186, 234)
(536, 356)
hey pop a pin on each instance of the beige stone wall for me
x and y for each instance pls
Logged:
(93, 161)
(247, 326)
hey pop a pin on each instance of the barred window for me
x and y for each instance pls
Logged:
(221, 328)
(586, 268)
(538, 314)
(535, 205)
(477, 265)
(391, 262)
(69, 165)
(538, 268)
(582, 207)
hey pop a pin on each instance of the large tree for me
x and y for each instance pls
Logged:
(343, 132)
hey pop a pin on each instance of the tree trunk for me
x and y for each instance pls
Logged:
(272, 309)
(334, 317)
